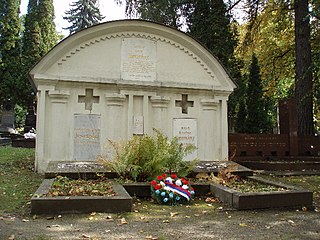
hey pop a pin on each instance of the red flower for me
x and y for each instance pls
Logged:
(173, 175)
(157, 187)
(153, 182)
(159, 177)
(185, 182)
(164, 175)
(192, 189)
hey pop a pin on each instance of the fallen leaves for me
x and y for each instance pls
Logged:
(11, 237)
(123, 221)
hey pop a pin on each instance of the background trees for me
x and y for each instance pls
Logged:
(269, 30)
(10, 60)
(83, 14)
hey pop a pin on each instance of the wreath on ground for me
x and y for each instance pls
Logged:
(171, 190)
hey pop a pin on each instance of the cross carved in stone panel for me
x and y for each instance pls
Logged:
(184, 103)
(88, 99)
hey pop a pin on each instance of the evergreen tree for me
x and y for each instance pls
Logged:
(45, 15)
(167, 12)
(38, 38)
(210, 24)
(9, 50)
(257, 118)
(83, 14)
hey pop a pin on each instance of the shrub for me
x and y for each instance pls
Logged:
(142, 158)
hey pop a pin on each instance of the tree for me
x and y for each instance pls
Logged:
(168, 12)
(210, 24)
(303, 79)
(39, 36)
(83, 14)
(257, 118)
(9, 50)
(45, 15)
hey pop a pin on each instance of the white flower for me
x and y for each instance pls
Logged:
(169, 179)
(185, 187)
(178, 182)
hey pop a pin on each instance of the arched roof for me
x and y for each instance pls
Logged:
(94, 55)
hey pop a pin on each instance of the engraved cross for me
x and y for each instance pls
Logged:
(88, 99)
(184, 103)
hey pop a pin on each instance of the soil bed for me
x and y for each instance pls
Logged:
(63, 186)
(43, 203)
(244, 185)
(288, 198)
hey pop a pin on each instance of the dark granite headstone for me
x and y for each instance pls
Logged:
(7, 120)
(31, 119)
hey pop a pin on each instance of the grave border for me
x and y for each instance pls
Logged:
(40, 204)
(294, 197)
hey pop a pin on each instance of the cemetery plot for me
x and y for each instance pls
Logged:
(277, 196)
(43, 204)
(285, 197)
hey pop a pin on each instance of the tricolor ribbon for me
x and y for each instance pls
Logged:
(179, 190)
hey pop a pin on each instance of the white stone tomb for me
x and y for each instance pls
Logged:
(127, 77)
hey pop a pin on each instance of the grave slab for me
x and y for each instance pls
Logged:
(216, 166)
(77, 169)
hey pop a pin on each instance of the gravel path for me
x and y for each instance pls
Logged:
(151, 221)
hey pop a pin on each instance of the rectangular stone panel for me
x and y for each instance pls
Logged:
(138, 59)
(138, 125)
(185, 129)
(86, 136)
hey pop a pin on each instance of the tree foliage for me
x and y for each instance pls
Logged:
(257, 118)
(39, 36)
(210, 24)
(9, 50)
(83, 14)
(168, 12)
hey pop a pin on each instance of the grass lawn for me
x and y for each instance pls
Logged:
(17, 179)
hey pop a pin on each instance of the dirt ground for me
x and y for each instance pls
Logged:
(200, 220)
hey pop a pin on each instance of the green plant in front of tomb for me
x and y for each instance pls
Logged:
(142, 158)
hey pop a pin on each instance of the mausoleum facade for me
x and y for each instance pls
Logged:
(124, 78)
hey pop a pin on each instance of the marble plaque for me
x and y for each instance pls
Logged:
(185, 129)
(138, 59)
(86, 136)
(137, 125)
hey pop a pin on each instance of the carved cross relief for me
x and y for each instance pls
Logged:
(184, 103)
(88, 99)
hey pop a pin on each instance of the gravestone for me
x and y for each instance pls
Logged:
(7, 119)
(31, 119)
(125, 78)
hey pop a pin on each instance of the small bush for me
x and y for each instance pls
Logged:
(142, 158)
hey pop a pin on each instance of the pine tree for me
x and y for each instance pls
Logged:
(9, 50)
(83, 14)
(257, 118)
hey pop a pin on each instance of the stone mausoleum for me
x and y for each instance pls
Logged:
(124, 78)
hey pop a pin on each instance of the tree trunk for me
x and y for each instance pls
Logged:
(303, 79)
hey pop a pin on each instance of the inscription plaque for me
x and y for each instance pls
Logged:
(185, 130)
(86, 136)
(138, 59)
(138, 125)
